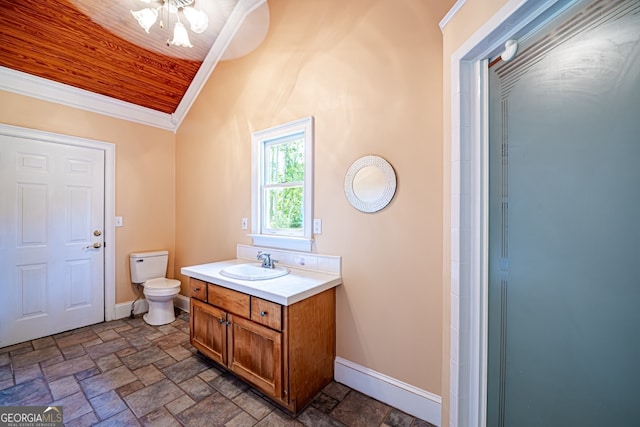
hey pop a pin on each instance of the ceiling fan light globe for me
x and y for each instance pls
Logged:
(198, 20)
(145, 17)
(180, 36)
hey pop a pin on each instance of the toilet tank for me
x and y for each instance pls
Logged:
(148, 265)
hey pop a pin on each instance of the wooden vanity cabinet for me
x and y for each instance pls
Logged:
(285, 351)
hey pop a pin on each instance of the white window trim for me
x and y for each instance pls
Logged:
(300, 243)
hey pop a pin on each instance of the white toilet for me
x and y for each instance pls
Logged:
(149, 269)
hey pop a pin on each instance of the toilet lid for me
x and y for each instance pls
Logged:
(161, 283)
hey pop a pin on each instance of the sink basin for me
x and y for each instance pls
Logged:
(253, 272)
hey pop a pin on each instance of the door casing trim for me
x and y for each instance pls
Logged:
(109, 198)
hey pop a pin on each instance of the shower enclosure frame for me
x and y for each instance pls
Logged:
(469, 201)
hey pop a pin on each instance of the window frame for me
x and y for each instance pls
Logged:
(259, 141)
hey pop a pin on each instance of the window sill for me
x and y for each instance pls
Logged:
(282, 242)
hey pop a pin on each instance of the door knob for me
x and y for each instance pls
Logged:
(97, 233)
(96, 245)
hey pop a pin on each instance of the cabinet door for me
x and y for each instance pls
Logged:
(255, 354)
(209, 330)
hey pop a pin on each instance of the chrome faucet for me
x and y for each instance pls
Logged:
(267, 262)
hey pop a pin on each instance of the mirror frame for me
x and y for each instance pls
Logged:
(389, 186)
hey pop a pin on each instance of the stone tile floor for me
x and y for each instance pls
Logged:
(127, 373)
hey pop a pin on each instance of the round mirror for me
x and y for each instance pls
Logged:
(370, 183)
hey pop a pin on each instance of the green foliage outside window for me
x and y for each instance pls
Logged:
(283, 188)
(285, 208)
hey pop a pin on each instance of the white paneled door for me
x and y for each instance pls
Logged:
(51, 238)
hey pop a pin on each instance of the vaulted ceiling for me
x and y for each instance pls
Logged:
(99, 47)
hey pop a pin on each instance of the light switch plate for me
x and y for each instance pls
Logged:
(118, 221)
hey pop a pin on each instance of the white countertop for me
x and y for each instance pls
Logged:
(286, 290)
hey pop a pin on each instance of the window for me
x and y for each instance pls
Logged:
(282, 186)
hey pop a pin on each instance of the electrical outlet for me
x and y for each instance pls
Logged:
(317, 226)
(244, 223)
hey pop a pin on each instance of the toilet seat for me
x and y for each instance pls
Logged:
(162, 283)
(161, 287)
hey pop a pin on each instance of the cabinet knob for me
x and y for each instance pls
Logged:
(196, 289)
(263, 313)
(221, 321)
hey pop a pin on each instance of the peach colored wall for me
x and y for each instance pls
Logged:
(466, 21)
(145, 173)
(370, 72)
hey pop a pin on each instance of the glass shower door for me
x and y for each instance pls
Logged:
(564, 224)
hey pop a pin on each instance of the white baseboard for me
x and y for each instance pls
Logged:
(412, 400)
(182, 303)
(124, 309)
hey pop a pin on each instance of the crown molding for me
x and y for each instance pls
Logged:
(59, 93)
(452, 12)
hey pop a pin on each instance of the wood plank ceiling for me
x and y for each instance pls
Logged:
(98, 46)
